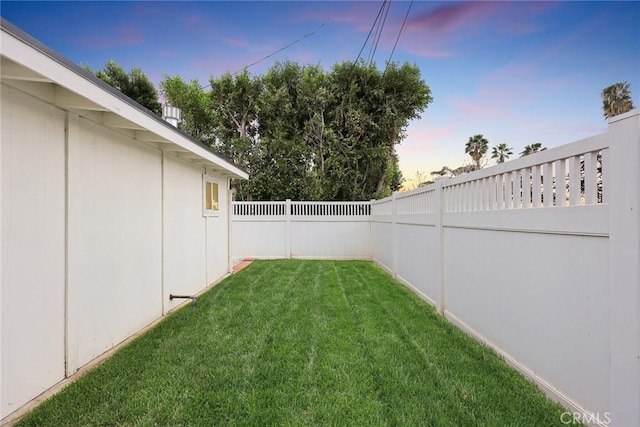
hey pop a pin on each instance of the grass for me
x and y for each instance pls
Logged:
(302, 343)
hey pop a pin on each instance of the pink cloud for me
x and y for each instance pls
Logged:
(422, 45)
(235, 42)
(451, 16)
(190, 20)
(424, 148)
(478, 107)
(435, 32)
(165, 53)
(122, 36)
(351, 15)
(423, 140)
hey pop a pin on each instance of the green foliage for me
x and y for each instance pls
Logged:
(195, 104)
(532, 148)
(477, 147)
(134, 84)
(306, 133)
(616, 99)
(302, 343)
(501, 152)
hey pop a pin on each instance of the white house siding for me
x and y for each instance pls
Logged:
(115, 223)
(217, 227)
(33, 242)
(98, 229)
(184, 230)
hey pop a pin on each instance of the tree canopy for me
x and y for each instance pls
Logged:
(501, 152)
(477, 147)
(616, 99)
(134, 84)
(532, 148)
(306, 133)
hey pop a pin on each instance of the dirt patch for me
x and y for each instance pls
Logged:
(242, 264)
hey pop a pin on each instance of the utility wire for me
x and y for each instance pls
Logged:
(379, 34)
(279, 50)
(370, 31)
(398, 38)
(376, 23)
(283, 48)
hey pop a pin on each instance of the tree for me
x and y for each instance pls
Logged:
(532, 148)
(196, 106)
(306, 133)
(420, 179)
(501, 152)
(477, 147)
(616, 99)
(235, 100)
(224, 118)
(134, 84)
(371, 112)
(446, 170)
(460, 170)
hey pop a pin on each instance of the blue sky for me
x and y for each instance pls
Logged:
(517, 72)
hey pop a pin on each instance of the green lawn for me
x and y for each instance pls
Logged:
(302, 343)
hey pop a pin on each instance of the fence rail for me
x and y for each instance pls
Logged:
(259, 208)
(301, 208)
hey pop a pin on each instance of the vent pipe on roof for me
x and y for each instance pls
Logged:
(171, 114)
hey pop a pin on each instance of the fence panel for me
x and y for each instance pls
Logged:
(301, 229)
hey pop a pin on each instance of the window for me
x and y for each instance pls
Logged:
(211, 200)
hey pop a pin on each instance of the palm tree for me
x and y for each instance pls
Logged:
(533, 148)
(477, 147)
(501, 152)
(442, 172)
(616, 99)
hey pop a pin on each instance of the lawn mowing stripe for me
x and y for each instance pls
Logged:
(293, 342)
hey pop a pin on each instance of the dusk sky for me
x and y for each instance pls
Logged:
(516, 72)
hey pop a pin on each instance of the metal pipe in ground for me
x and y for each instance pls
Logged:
(191, 297)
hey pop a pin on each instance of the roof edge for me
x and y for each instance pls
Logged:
(28, 39)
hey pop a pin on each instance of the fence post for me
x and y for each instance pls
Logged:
(371, 251)
(438, 210)
(624, 267)
(287, 229)
(394, 227)
(230, 214)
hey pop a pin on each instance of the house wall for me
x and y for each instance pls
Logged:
(218, 235)
(184, 231)
(114, 239)
(33, 248)
(97, 230)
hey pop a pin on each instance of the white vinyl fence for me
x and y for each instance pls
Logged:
(290, 229)
(538, 257)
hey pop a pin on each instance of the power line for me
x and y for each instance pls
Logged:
(287, 46)
(379, 34)
(398, 38)
(370, 31)
(279, 50)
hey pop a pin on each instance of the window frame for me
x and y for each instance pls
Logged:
(206, 179)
